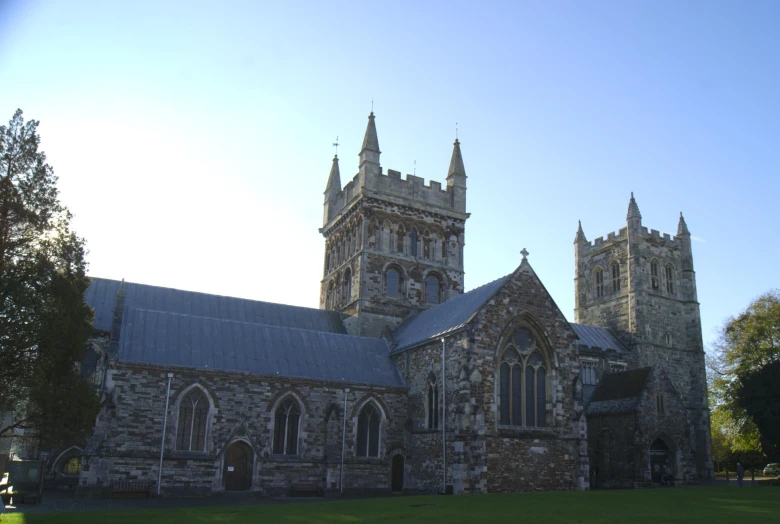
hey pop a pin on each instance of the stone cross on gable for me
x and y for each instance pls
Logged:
(525, 254)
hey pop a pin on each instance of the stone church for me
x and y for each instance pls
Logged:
(401, 380)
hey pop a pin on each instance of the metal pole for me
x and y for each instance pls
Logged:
(443, 422)
(343, 441)
(162, 439)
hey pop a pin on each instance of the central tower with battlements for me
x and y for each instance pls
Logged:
(393, 246)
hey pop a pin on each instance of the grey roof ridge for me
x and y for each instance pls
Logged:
(211, 294)
(609, 329)
(464, 323)
(131, 309)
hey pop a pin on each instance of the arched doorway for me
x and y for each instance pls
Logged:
(661, 454)
(237, 472)
(398, 473)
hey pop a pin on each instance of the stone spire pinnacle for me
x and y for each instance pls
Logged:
(580, 233)
(370, 140)
(334, 180)
(682, 227)
(456, 164)
(633, 208)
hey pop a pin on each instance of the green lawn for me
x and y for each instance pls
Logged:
(652, 506)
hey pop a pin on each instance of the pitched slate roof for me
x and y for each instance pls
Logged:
(618, 392)
(593, 337)
(445, 318)
(102, 294)
(169, 327)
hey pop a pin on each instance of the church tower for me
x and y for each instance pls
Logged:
(393, 246)
(641, 284)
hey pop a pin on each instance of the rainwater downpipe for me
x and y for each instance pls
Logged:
(443, 422)
(343, 441)
(162, 439)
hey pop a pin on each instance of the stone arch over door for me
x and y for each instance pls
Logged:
(238, 466)
(662, 451)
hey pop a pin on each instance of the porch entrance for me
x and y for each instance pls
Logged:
(660, 455)
(238, 467)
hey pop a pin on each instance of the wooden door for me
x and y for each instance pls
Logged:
(398, 473)
(238, 467)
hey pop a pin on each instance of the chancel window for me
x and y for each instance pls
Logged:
(392, 283)
(432, 289)
(599, 274)
(368, 431)
(670, 280)
(615, 277)
(588, 372)
(433, 403)
(286, 423)
(191, 430)
(523, 382)
(654, 282)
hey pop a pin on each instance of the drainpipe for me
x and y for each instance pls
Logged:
(443, 422)
(343, 440)
(162, 439)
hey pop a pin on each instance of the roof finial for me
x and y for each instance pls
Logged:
(415, 168)
(633, 210)
(580, 233)
(456, 130)
(372, 104)
(682, 227)
(336, 145)
(525, 254)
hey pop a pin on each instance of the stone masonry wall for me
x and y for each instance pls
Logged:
(130, 428)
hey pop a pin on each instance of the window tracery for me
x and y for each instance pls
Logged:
(523, 382)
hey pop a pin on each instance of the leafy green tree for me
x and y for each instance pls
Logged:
(44, 321)
(746, 355)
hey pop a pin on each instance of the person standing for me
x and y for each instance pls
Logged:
(740, 473)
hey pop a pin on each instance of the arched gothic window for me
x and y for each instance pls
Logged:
(433, 403)
(368, 431)
(670, 279)
(599, 277)
(191, 430)
(654, 281)
(413, 243)
(346, 292)
(286, 420)
(523, 382)
(615, 277)
(432, 289)
(393, 283)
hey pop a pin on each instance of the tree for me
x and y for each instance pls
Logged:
(745, 362)
(44, 321)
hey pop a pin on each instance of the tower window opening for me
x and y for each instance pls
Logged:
(392, 283)
(654, 276)
(432, 289)
(670, 280)
(599, 282)
(615, 277)
(413, 243)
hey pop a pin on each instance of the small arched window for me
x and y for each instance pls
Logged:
(654, 281)
(368, 431)
(432, 289)
(522, 382)
(286, 422)
(433, 402)
(615, 277)
(599, 280)
(191, 430)
(392, 283)
(668, 339)
(413, 243)
(346, 292)
(670, 279)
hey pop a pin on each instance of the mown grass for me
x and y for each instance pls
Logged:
(653, 506)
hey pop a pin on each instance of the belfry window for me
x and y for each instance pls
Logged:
(670, 280)
(392, 283)
(523, 382)
(347, 286)
(286, 423)
(413, 242)
(588, 372)
(368, 431)
(654, 282)
(615, 277)
(599, 275)
(191, 430)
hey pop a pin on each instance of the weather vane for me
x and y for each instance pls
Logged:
(456, 130)
(336, 145)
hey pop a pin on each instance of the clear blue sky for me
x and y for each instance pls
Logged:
(193, 139)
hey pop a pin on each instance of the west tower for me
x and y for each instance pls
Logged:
(393, 246)
(642, 285)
